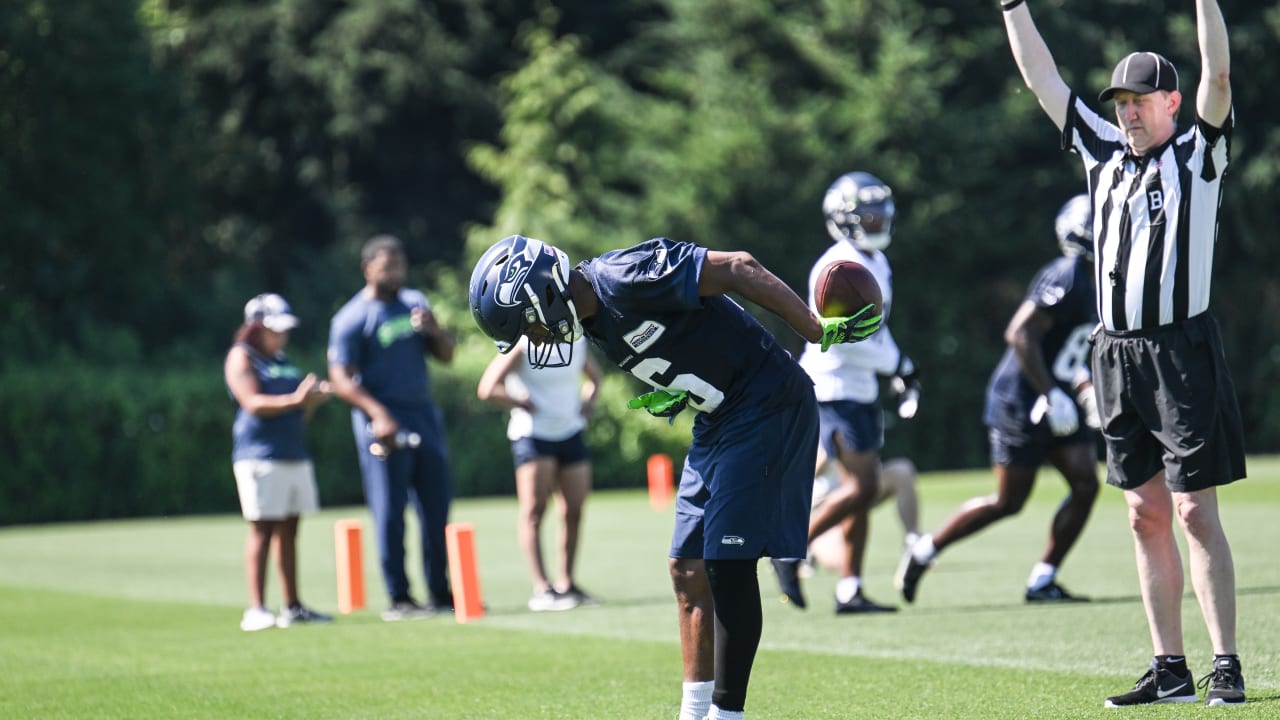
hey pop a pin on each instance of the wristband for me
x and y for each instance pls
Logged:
(1007, 5)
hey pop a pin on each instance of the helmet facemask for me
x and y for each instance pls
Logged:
(552, 331)
(521, 287)
(859, 210)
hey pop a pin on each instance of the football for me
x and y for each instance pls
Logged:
(844, 287)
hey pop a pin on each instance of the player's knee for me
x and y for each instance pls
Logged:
(1084, 488)
(735, 586)
(689, 580)
(899, 471)
(1008, 505)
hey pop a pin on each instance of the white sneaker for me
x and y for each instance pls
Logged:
(257, 618)
(551, 601)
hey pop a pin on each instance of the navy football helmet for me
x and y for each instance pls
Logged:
(859, 210)
(520, 286)
(1074, 227)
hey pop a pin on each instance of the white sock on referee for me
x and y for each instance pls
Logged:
(695, 700)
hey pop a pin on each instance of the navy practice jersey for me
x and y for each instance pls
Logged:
(653, 324)
(1064, 289)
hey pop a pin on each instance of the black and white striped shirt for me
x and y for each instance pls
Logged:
(1155, 218)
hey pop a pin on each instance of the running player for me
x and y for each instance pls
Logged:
(1035, 400)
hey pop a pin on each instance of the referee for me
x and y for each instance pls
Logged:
(1167, 404)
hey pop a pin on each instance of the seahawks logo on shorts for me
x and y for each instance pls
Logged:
(732, 540)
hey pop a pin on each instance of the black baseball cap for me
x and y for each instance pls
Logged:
(1142, 73)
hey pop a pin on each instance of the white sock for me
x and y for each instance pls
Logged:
(924, 551)
(847, 587)
(718, 714)
(695, 699)
(1041, 575)
(910, 539)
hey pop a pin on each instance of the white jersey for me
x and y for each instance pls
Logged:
(849, 371)
(556, 394)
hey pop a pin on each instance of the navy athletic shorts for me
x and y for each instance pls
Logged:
(746, 493)
(565, 452)
(859, 425)
(1016, 441)
(1167, 402)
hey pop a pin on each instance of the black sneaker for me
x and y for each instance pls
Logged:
(862, 604)
(1158, 685)
(788, 572)
(1226, 684)
(1053, 592)
(908, 576)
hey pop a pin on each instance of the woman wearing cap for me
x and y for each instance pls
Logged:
(273, 471)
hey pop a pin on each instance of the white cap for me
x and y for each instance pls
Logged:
(272, 311)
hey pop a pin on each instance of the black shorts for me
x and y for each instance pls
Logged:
(565, 452)
(1167, 403)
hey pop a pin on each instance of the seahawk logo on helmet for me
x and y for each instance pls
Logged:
(1074, 227)
(859, 210)
(519, 287)
(513, 276)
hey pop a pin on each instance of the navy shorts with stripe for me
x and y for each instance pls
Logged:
(1167, 402)
(745, 492)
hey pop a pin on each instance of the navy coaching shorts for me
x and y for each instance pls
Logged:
(1167, 402)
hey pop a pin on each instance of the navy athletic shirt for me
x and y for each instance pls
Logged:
(652, 323)
(1064, 289)
(378, 338)
(282, 437)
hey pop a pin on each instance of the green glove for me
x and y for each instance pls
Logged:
(854, 328)
(661, 403)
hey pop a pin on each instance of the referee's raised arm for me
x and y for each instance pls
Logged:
(1035, 62)
(1213, 97)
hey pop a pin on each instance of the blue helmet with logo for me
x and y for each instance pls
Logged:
(1074, 227)
(859, 210)
(519, 287)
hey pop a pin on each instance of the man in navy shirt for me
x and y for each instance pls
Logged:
(377, 344)
(1036, 400)
(659, 311)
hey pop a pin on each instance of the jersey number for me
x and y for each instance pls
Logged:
(1074, 355)
(656, 371)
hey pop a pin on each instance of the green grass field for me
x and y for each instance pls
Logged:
(138, 619)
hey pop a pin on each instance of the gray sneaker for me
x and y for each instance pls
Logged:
(406, 610)
(300, 614)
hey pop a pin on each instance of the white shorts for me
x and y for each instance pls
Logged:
(276, 489)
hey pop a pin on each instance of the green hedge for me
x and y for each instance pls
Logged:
(84, 443)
